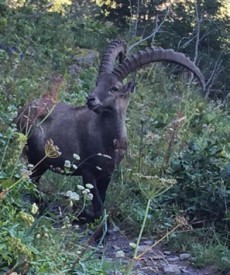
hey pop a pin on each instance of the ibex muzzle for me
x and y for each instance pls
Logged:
(93, 102)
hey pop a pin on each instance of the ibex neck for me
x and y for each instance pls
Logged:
(114, 134)
(114, 125)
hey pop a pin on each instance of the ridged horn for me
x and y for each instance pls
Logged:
(116, 48)
(144, 57)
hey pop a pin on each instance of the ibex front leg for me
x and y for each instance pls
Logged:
(102, 185)
(97, 200)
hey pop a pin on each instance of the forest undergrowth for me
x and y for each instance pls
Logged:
(174, 183)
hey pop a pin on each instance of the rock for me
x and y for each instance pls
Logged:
(173, 259)
(193, 259)
(158, 257)
(133, 245)
(116, 248)
(167, 252)
(142, 248)
(148, 242)
(120, 254)
(184, 256)
(187, 272)
(172, 269)
(86, 57)
(115, 229)
(115, 273)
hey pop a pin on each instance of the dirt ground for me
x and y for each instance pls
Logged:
(157, 260)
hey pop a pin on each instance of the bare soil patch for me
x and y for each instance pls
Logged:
(156, 260)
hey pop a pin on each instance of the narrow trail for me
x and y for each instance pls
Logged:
(157, 261)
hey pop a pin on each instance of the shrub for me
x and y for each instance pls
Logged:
(177, 134)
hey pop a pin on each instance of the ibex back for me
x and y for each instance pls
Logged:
(96, 132)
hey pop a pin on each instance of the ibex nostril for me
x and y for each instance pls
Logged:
(91, 98)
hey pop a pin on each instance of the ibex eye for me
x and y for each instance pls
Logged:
(115, 89)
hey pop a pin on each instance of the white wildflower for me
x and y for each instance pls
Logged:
(107, 156)
(72, 195)
(76, 156)
(67, 164)
(26, 173)
(89, 196)
(84, 192)
(104, 155)
(89, 186)
(30, 166)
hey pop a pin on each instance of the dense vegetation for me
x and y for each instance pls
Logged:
(178, 162)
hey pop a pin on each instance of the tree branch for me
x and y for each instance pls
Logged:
(153, 34)
(215, 72)
(198, 24)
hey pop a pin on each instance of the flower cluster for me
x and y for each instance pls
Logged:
(68, 166)
(51, 150)
(86, 191)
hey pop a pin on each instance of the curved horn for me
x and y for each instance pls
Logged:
(141, 58)
(116, 48)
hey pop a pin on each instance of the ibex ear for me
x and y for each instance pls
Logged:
(129, 87)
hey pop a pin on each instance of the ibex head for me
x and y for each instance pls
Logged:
(109, 87)
(109, 90)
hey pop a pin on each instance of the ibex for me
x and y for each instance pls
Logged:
(97, 131)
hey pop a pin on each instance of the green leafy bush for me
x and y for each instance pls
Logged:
(177, 134)
(201, 192)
